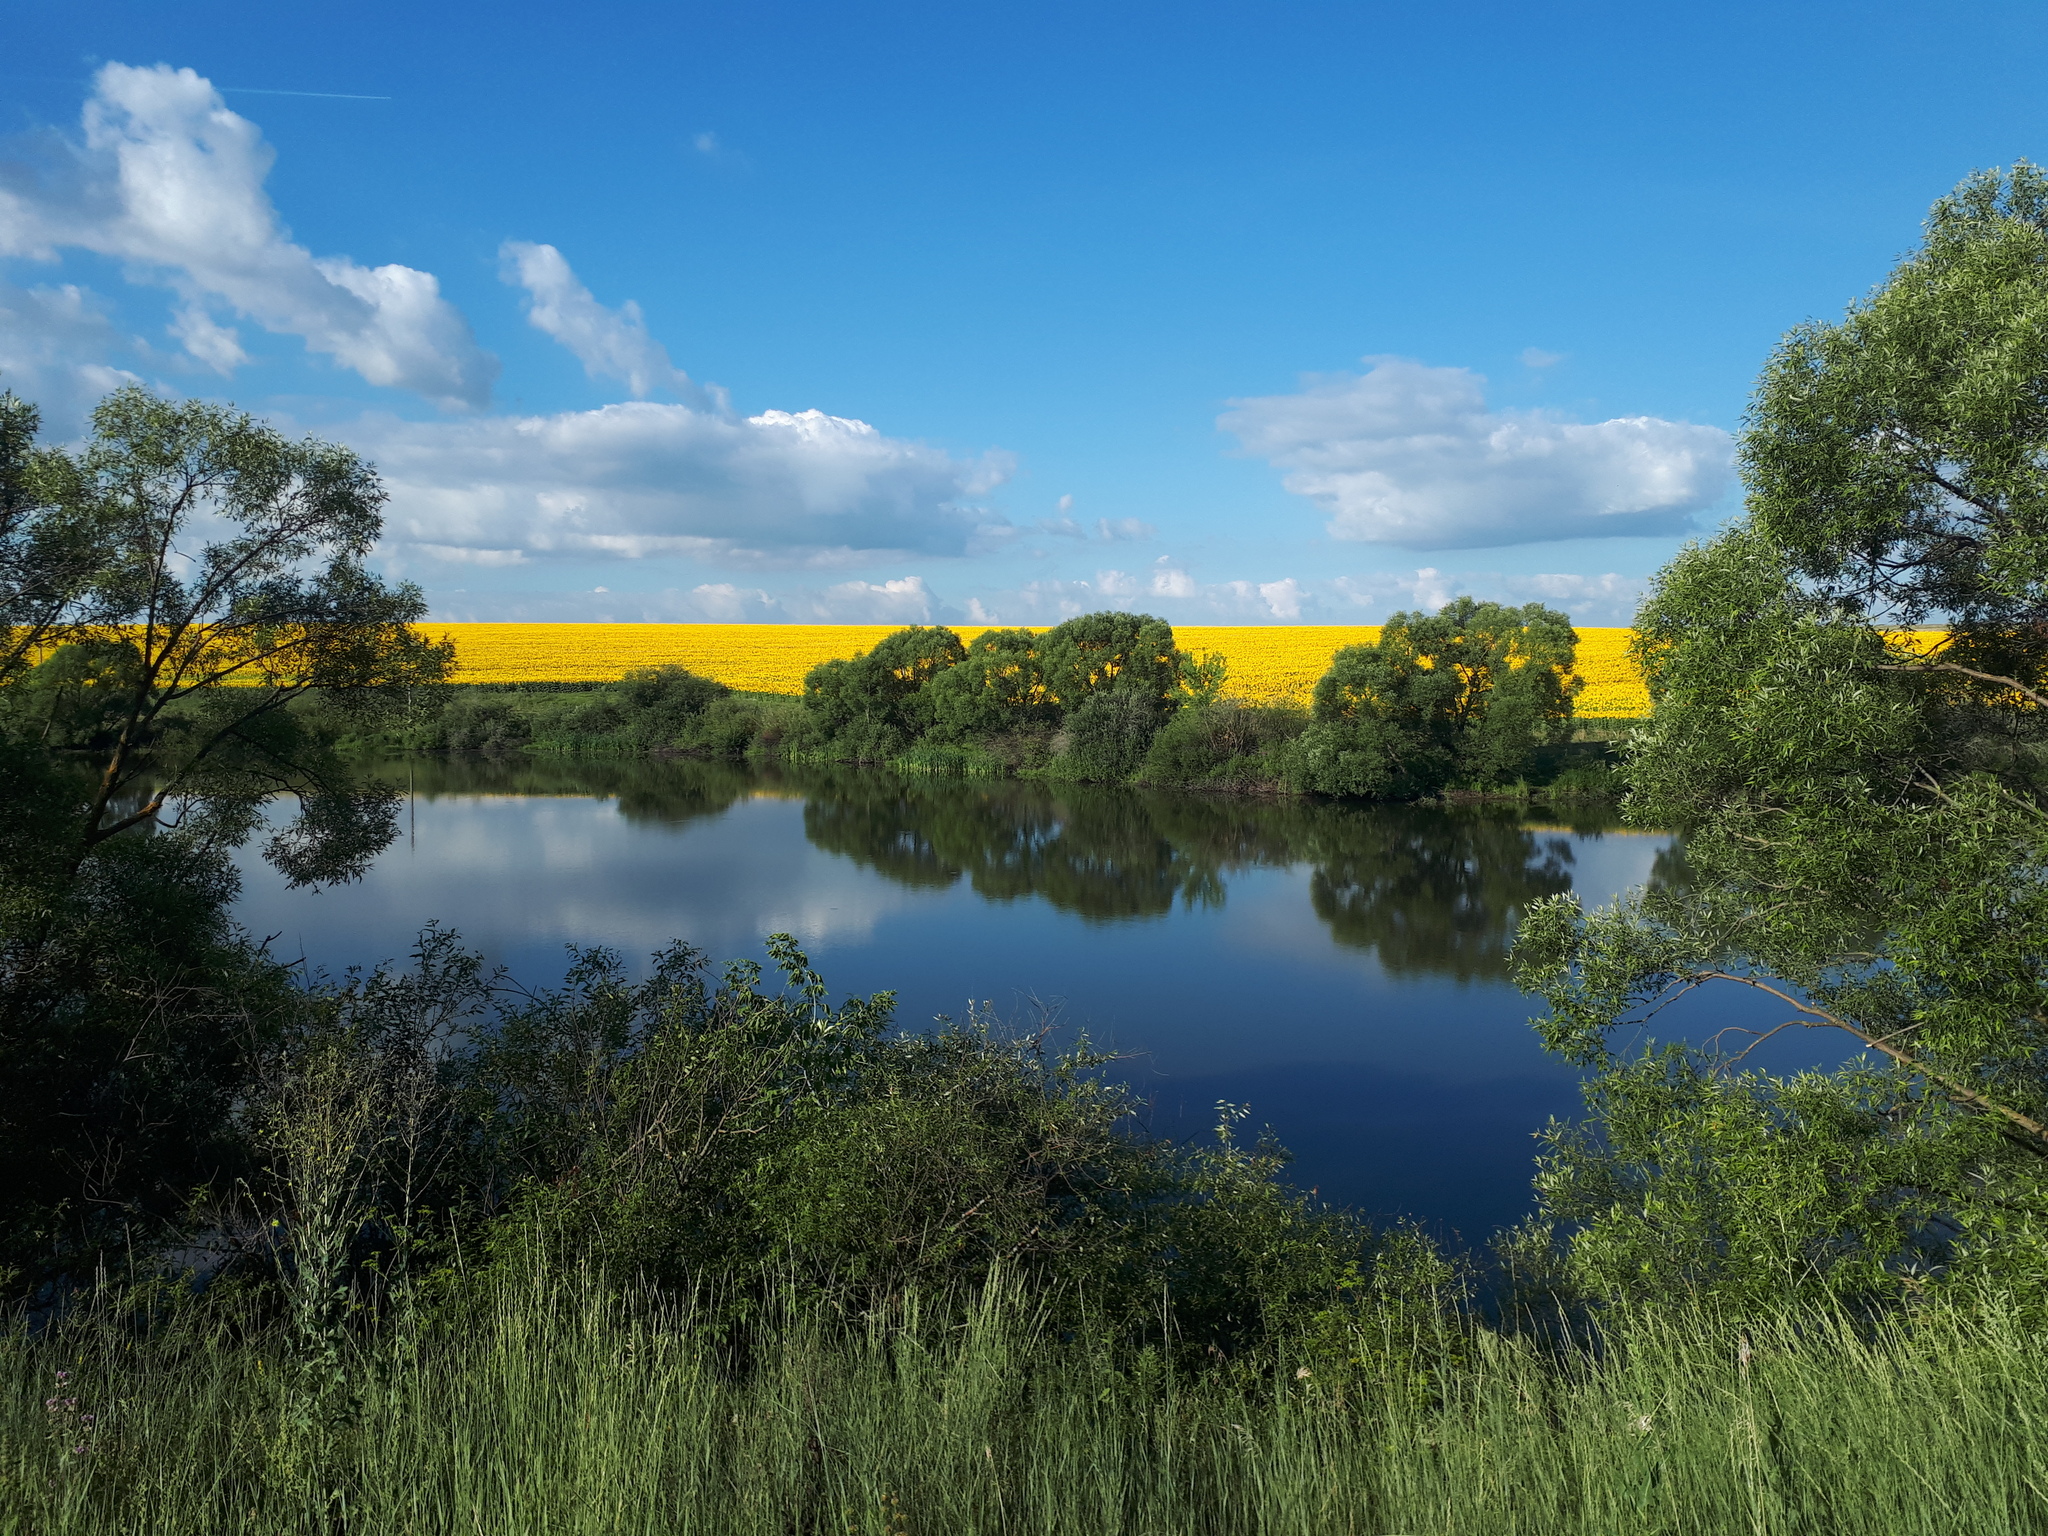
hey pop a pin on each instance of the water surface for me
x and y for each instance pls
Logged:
(1341, 968)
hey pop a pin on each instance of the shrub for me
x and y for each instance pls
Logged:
(724, 727)
(1106, 738)
(659, 704)
(1221, 743)
(731, 1141)
(484, 722)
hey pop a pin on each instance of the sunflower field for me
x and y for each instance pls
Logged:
(1268, 663)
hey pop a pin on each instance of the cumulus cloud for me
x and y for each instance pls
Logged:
(1169, 580)
(610, 343)
(1176, 594)
(904, 600)
(1410, 455)
(1283, 599)
(643, 478)
(46, 336)
(1609, 599)
(894, 600)
(167, 179)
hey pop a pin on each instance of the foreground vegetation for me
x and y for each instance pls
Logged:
(558, 1407)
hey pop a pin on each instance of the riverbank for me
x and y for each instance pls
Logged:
(1225, 747)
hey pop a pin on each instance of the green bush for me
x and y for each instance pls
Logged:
(484, 722)
(879, 695)
(1105, 738)
(724, 727)
(1224, 744)
(719, 1138)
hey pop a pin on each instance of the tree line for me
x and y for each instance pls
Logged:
(1476, 698)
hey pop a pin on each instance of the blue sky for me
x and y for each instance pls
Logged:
(986, 313)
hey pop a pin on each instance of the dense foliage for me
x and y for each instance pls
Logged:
(178, 592)
(1866, 820)
(1467, 695)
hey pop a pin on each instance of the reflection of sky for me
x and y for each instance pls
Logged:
(1401, 1093)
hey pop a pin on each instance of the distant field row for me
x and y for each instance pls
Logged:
(1266, 662)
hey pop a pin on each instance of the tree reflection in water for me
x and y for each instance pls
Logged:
(1436, 892)
(1429, 891)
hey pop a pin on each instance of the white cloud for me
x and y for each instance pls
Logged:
(895, 600)
(1536, 357)
(1124, 529)
(644, 479)
(1169, 580)
(1175, 594)
(724, 603)
(1609, 599)
(1283, 598)
(44, 335)
(1408, 454)
(905, 600)
(610, 343)
(171, 181)
(206, 340)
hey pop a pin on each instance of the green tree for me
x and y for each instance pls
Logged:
(208, 613)
(1864, 816)
(874, 703)
(1103, 652)
(1467, 695)
(52, 545)
(202, 644)
(997, 686)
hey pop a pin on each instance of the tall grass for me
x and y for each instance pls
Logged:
(566, 1411)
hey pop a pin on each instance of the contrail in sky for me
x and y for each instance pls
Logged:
(225, 90)
(257, 90)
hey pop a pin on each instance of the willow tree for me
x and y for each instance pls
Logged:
(1466, 694)
(187, 607)
(1865, 815)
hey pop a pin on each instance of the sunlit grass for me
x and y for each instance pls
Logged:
(564, 1412)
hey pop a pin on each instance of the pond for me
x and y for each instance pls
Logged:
(1340, 968)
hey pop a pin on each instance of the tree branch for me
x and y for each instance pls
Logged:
(1959, 1092)
(1983, 677)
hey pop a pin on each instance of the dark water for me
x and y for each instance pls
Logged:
(1340, 968)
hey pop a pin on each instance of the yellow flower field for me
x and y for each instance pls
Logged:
(1267, 662)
